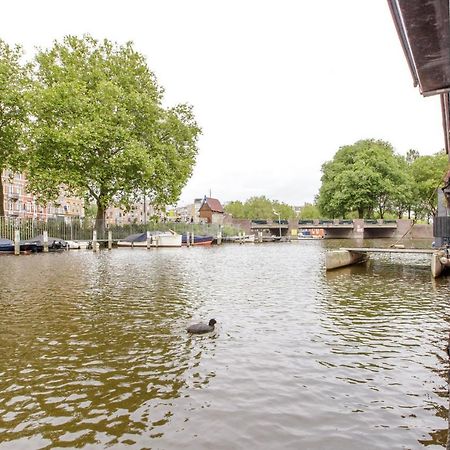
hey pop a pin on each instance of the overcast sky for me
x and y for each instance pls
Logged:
(277, 86)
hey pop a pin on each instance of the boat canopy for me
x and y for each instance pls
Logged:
(138, 237)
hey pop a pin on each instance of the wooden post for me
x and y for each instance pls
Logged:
(260, 236)
(45, 241)
(17, 242)
(188, 239)
(149, 240)
(109, 240)
(192, 238)
(94, 240)
(219, 236)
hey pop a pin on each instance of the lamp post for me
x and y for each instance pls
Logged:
(279, 221)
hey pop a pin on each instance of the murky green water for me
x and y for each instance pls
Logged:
(93, 351)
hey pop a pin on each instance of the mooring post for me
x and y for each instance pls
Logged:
(188, 239)
(17, 242)
(260, 236)
(45, 241)
(192, 238)
(149, 240)
(219, 236)
(109, 240)
(94, 240)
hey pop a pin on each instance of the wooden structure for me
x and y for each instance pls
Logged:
(211, 210)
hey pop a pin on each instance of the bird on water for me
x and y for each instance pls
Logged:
(200, 328)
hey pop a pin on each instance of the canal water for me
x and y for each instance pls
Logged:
(94, 353)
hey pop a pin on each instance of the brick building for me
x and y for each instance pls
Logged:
(212, 211)
(20, 203)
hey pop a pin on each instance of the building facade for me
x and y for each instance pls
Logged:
(21, 204)
(211, 211)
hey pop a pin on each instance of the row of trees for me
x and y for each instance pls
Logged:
(366, 179)
(259, 208)
(369, 179)
(88, 115)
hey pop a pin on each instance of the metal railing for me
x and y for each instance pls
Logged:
(82, 229)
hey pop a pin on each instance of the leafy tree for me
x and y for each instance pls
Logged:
(427, 173)
(259, 208)
(284, 210)
(361, 177)
(309, 211)
(14, 82)
(100, 128)
(236, 209)
(404, 196)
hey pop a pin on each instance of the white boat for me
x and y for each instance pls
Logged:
(157, 239)
(73, 245)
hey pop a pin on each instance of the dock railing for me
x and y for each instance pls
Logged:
(82, 229)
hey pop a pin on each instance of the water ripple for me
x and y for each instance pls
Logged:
(94, 353)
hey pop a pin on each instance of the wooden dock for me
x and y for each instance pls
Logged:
(345, 256)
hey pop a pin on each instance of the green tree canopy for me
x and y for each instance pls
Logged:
(100, 128)
(259, 208)
(361, 177)
(309, 211)
(427, 173)
(14, 82)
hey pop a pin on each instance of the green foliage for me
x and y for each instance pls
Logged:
(90, 210)
(259, 208)
(100, 128)
(14, 83)
(370, 179)
(236, 209)
(309, 211)
(427, 173)
(361, 177)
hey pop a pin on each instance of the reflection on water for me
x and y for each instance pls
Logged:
(94, 353)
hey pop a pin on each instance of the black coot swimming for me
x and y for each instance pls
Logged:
(200, 328)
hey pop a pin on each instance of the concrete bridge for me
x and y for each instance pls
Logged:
(338, 228)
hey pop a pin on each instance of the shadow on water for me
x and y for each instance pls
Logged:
(96, 355)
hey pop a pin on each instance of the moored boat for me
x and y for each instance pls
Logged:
(198, 239)
(157, 239)
(54, 243)
(7, 246)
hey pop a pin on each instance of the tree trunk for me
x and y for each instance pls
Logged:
(360, 213)
(100, 219)
(2, 197)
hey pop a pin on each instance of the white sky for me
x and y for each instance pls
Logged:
(277, 86)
